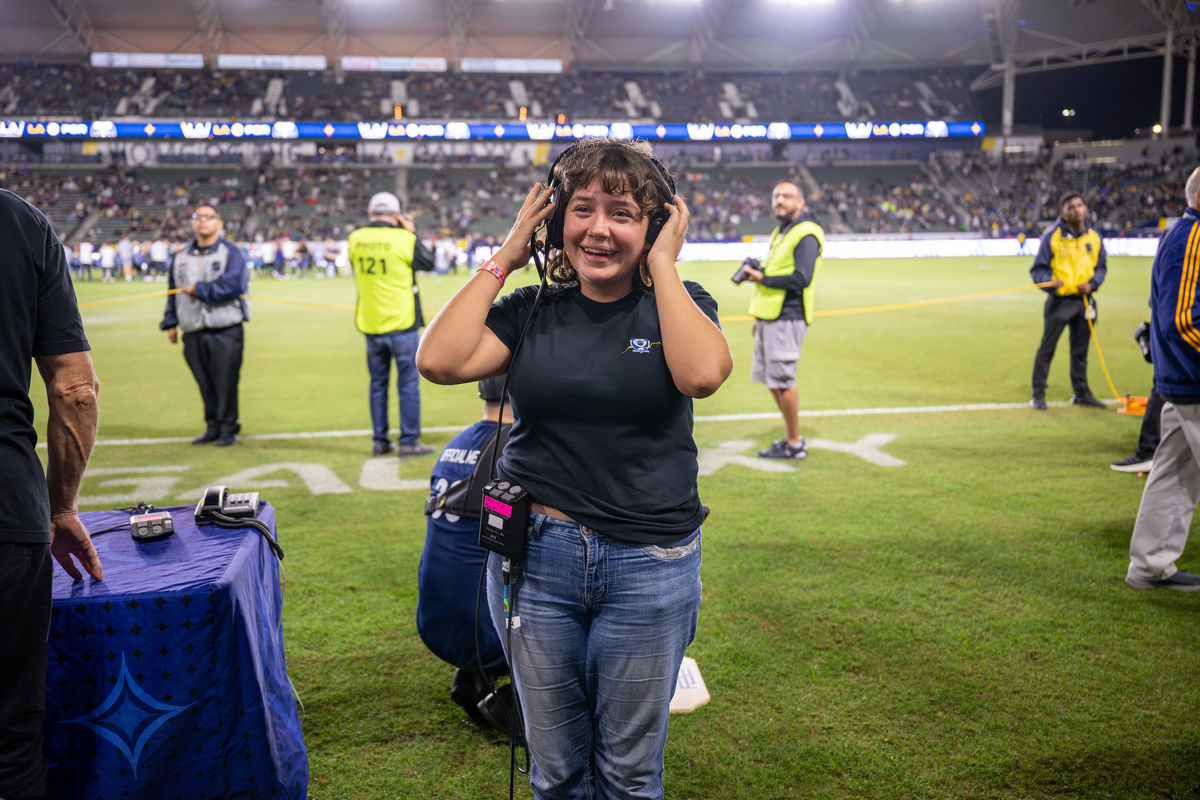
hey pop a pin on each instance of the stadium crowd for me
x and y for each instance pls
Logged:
(1008, 197)
(674, 96)
(453, 193)
(955, 191)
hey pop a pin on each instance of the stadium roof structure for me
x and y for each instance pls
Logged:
(616, 34)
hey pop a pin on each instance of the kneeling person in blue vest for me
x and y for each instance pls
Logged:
(208, 280)
(782, 309)
(384, 255)
(452, 616)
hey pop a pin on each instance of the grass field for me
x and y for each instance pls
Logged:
(952, 627)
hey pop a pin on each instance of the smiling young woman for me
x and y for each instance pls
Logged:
(609, 586)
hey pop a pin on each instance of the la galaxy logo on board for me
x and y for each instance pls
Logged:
(639, 345)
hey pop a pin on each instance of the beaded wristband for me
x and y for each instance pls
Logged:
(492, 267)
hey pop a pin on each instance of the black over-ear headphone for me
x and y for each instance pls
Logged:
(658, 217)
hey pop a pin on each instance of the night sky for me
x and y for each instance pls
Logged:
(1112, 100)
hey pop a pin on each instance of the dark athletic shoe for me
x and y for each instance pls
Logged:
(1181, 581)
(381, 448)
(1038, 401)
(205, 438)
(1088, 400)
(227, 440)
(414, 449)
(781, 449)
(1134, 463)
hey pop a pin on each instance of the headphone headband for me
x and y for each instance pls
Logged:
(658, 218)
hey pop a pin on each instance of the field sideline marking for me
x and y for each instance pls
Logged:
(862, 412)
(836, 412)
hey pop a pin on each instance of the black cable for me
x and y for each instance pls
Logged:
(140, 508)
(110, 529)
(227, 522)
(515, 713)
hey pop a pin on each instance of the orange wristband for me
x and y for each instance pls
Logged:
(492, 267)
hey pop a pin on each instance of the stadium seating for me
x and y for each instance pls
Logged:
(458, 192)
(678, 96)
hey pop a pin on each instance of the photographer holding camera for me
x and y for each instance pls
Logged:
(782, 309)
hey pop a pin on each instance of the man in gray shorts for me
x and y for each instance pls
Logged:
(782, 309)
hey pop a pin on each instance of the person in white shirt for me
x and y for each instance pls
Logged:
(108, 261)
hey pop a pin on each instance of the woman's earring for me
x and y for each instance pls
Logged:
(644, 270)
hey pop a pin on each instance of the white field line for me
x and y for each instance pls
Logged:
(837, 412)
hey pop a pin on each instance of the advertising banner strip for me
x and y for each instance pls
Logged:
(515, 131)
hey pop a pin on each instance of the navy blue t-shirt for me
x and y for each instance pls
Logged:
(600, 432)
(39, 316)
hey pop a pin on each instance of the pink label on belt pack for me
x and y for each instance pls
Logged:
(492, 504)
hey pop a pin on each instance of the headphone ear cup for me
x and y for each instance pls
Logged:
(654, 227)
(554, 225)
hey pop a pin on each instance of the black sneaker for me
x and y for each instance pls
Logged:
(1038, 401)
(1134, 463)
(781, 449)
(414, 449)
(1181, 582)
(227, 439)
(206, 437)
(381, 448)
(1086, 399)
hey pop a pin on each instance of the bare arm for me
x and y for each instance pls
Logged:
(71, 391)
(694, 347)
(457, 346)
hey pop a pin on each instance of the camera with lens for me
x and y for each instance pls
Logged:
(1141, 335)
(740, 275)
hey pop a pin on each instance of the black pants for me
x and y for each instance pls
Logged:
(1151, 423)
(1063, 312)
(24, 625)
(215, 357)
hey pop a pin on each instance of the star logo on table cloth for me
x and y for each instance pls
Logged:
(128, 717)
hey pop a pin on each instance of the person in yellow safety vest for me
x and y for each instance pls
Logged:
(383, 256)
(1072, 261)
(782, 309)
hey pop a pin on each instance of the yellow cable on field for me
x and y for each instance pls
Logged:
(896, 306)
(1096, 341)
(246, 296)
(130, 297)
(297, 303)
(919, 303)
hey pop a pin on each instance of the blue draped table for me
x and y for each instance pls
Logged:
(167, 679)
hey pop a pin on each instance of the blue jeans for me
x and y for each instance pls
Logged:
(382, 349)
(603, 626)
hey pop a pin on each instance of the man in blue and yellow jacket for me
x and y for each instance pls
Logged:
(782, 308)
(383, 255)
(1173, 488)
(1072, 262)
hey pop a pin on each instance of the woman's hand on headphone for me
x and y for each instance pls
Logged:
(665, 251)
(515, 252)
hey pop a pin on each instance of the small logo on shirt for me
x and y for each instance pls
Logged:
(1088, 247)
(641, 345)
